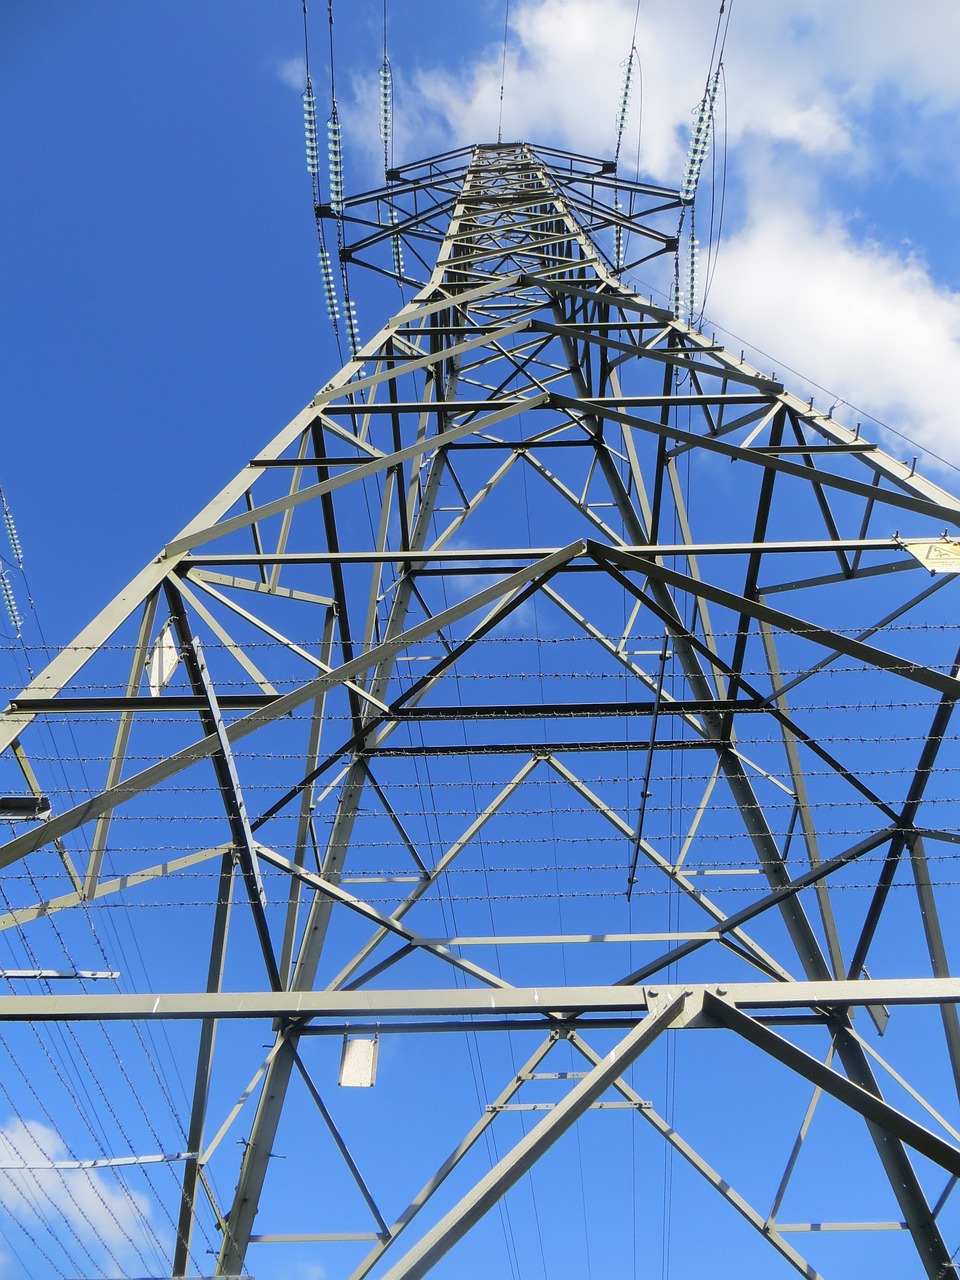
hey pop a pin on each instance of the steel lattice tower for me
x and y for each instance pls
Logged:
(555, 695)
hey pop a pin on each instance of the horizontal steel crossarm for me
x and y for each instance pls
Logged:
(452, 408)
(200, 750)
(487, 1003)
(899, 473)
(541, 747)
(882, 463)
(35, 699)
(479, 554)
(551, 710)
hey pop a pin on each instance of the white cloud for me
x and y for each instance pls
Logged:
(564, 72)
(807, 80)
(95, 1209)
(867, 323)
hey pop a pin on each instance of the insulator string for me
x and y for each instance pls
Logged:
(626, 91)
(310, 132)
(397, 246)
(12, 536)
(700, 136)
(386, 112)
(13, 613)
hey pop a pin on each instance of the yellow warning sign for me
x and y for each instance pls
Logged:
(939, 555)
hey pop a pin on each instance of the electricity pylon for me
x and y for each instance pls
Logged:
(565, 698)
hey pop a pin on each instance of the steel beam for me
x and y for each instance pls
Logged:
(479, 1004)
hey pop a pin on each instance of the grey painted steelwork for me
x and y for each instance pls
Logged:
(536, 517)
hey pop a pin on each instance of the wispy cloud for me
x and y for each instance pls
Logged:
(310, 1271)
(292, 72)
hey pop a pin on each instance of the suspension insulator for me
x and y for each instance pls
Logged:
(386, 109)
(676, 299)
(618, 238)
(13, 612)
(335, 157)
(625, 92)
(12, 534)
(397, 246)
(353, 333)
(329, 288)
(692, 264)
(700, 139)
(310, 131)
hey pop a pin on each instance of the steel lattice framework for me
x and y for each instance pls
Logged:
(553, 683)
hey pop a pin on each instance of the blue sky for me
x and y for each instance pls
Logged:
(163, 312)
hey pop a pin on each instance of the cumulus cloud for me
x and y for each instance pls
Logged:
(81, 1201)
(854, 317)
(564, 72)
(807, 80)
